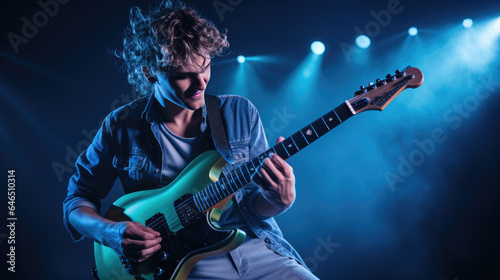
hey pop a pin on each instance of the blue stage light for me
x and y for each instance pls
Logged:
(241, 59)
(318, 47)
(467, 23)
(413, 31)
(363, 41)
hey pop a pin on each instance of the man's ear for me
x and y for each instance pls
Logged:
(148, 75)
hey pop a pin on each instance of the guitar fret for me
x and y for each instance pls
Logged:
(253, 166)
(238, 177)
(309, 133)
(300, 140)
(218, 192)
(223, 187)
(195, 199)
(212, 193)
(321, 127)
(249, 173)
(337, 115)
(289, 146)
(285, 148)
(314, 130)
(281, 151)
(197, 202)
(294, 143)
(326, 124)
(244, 176)
(227, 185)
(211, 197)
(202, 200)
(261, 158)
(208, 198)
(304, 136)
(205, 200)
(233, 182)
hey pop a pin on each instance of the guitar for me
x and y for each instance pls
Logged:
(186, 211)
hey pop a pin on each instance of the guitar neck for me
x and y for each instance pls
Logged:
(241, 176)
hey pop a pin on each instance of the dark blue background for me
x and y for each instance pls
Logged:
(440, 223)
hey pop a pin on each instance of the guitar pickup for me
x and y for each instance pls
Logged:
(186, 210)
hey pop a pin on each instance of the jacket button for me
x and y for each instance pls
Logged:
(235, 157)
(267, 240)
(157, 170)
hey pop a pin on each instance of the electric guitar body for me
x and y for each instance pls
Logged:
(186, 211)
(181, 247)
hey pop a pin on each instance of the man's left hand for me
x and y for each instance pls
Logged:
(276, 179)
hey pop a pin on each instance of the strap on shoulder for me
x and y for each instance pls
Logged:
(217, 128)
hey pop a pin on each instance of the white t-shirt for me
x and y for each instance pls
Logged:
(178, 152)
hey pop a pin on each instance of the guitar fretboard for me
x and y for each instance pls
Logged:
(241, 176)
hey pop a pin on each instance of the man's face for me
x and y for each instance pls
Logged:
(184, 87)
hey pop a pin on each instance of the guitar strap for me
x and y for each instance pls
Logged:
(217, 128)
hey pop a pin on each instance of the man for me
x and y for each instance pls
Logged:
(148, 142)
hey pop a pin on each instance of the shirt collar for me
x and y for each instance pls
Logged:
(150, 115)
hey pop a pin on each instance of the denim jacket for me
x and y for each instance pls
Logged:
(126, 146)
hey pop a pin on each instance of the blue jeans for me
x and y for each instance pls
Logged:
(251, 260)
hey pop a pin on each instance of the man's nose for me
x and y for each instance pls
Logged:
(199, 81)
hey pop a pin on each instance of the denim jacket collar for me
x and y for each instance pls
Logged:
(149, 115)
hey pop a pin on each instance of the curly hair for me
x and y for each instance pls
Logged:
(171, 36)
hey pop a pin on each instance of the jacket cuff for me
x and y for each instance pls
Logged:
(76, 235)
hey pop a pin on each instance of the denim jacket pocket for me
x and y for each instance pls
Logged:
(240, 154)
(131, 168)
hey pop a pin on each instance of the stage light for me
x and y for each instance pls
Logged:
(413, 31)
(318, 48)
(363, 41)
(467, 23)
(241, 59)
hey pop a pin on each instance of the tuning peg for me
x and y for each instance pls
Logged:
(399, 74)
(380, 82)
(389, 78)
(372, 86)
(361, 90)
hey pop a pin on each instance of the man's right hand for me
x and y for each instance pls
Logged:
(130, 239)
(139, 242)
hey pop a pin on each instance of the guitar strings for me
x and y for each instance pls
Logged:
(172, 213)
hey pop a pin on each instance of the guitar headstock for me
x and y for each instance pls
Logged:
(376, 96)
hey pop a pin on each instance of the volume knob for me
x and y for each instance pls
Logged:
(163, 256)
(159, 271)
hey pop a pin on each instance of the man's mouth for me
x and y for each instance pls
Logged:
(195, 93)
